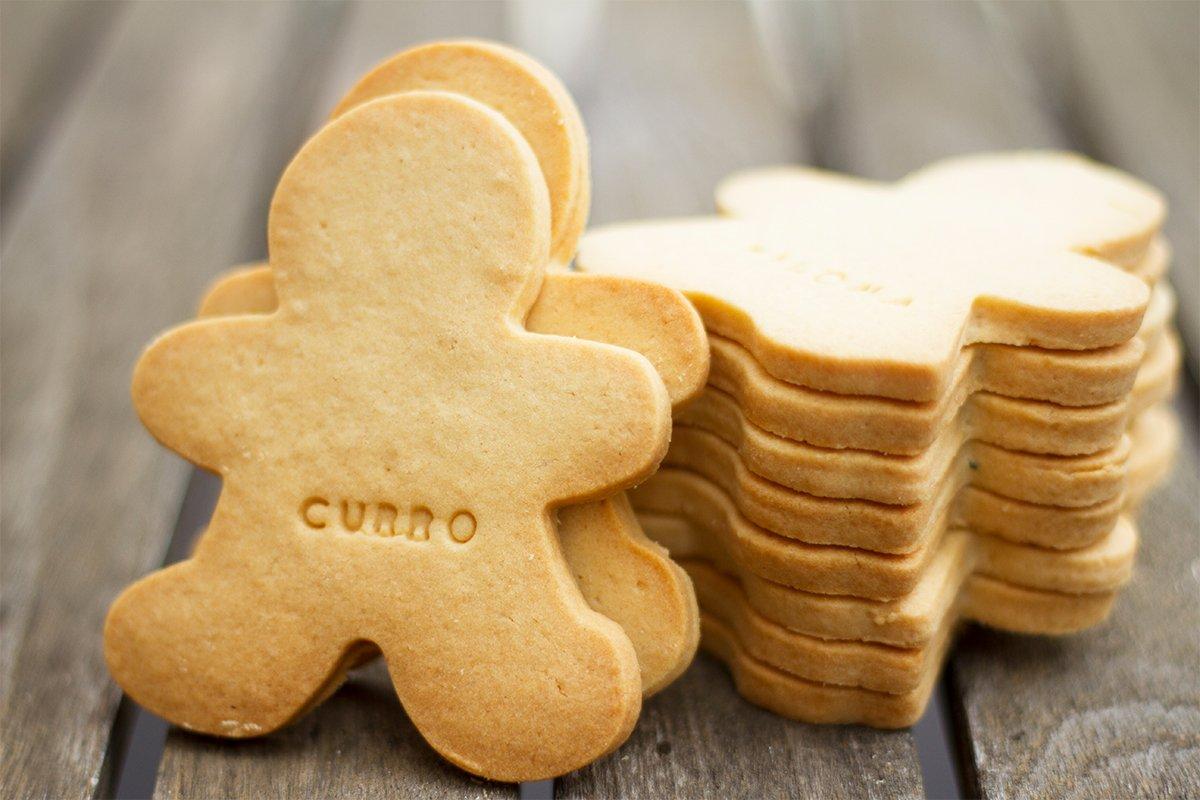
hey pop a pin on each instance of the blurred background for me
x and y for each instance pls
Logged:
(140, 144)
(675, 95)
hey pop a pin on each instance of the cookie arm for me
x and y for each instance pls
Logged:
(192, 388)
(604, 421)
(249, 289)
(639, 315)
(1057, 300)
(642, 316)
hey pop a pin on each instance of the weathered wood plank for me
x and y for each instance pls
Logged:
(45, 49)
(919, 82)
(1114, 712)
(359, 743)
(145, 189)
(700, 739)
(676, 102)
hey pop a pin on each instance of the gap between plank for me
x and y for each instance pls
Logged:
(140, 735)
(935, 737)
(537, 790)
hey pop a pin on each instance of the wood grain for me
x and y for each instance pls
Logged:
(357, 744)
(143, 191)
(675, 102)
(920, 82)
(700, 739)
(140, 147)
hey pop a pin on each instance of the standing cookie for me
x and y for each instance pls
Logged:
(624, 574)
(391, 442)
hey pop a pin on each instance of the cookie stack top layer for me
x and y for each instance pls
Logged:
(878, 292)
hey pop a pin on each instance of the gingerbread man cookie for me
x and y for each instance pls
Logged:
(624, 575)
(392, 442)
(1054, 196)
(868, 291)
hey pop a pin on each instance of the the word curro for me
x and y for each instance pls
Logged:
(385, 520)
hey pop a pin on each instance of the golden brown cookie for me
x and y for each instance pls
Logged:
(904, 480)
(392, 442)
(645, 317)
(881, 292)
(954, 498)
(913, 619)
(1054, 196)
(1141, 369)
(832, 569)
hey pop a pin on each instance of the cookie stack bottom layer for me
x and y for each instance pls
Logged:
(838, 658)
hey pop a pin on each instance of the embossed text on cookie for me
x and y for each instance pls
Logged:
(415, 523)
(830, 277)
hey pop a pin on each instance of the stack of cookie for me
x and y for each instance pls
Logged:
(929, 401)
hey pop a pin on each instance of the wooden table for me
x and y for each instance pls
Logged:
(141, 143)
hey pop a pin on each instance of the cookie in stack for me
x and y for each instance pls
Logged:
(930, 400)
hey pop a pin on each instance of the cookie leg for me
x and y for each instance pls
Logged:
(512, 676)
(631, 580)
(219, 651)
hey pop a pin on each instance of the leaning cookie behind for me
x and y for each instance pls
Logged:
(530, 96)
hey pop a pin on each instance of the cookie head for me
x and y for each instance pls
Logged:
(526, 93)
(446, 221)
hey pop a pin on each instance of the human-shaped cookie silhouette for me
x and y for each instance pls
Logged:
(623, 574)
(861, 290)
(392, 442)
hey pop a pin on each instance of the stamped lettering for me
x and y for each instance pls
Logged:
(416, 523)
(829, 277)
